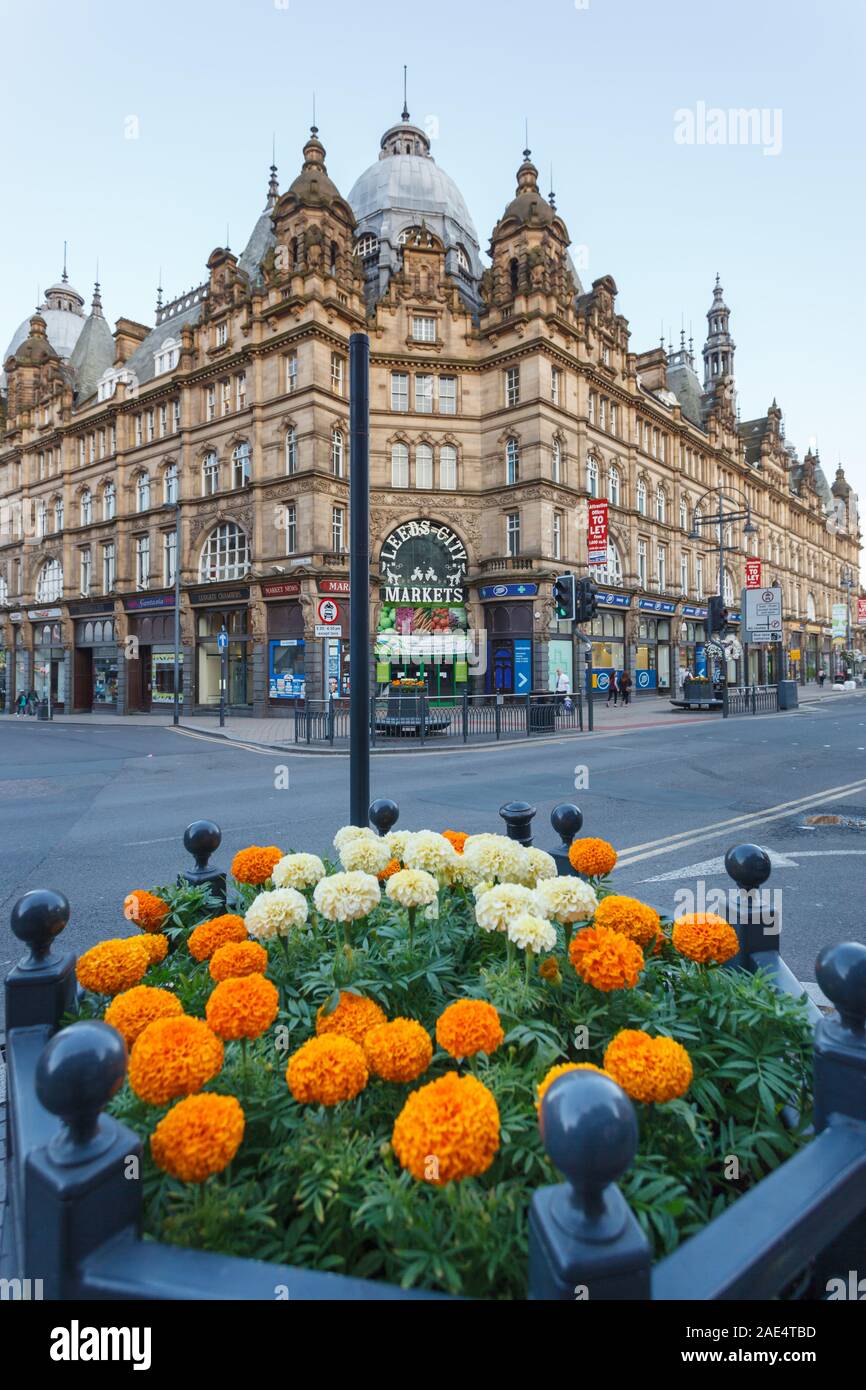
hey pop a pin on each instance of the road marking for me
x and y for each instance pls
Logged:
(707, 867)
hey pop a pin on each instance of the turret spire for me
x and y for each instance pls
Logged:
(719, 346)
(404, 115)
(273, 185)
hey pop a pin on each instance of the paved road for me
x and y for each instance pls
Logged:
(96, 811)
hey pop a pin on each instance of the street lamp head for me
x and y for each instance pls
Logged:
(694, 534)
(750, 529)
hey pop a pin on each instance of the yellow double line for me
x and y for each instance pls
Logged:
(670, 843)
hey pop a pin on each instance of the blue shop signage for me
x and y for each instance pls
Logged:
(613, 600)
(508, 590)
(689, 611)
(656, 605)
(645, 680)
(522, 666)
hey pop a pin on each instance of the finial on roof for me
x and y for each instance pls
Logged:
(314, 129)
(228, 243)
(552, 197)
(273, 185)
(718, 280)
(96, 302)
(527, 153)
(64, 277)
(405, 112)
(159, 291)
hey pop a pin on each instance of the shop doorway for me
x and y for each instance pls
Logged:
(501, 677)
(83, 679)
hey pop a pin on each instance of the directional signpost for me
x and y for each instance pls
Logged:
(223, 647)
(762, 609)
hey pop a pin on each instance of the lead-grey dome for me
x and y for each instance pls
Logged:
(63, 312)
(405, 188)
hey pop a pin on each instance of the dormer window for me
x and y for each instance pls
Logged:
(423, 328)
(166, 357)
(222, 334)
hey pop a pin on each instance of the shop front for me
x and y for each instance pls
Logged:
(19, 666)
(332, 637)
(96, 669)
(812, 653)
(423, 625)
(223, 606)
(653, 646)
(150, 643)
(508, 624)
(608, 638)
(287, 673)
(49, 657)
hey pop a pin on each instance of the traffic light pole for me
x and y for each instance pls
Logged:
(585, 667)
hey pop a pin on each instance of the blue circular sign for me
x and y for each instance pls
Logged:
(603, 681)
(643, 680)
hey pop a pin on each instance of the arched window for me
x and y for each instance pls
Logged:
(399, 465)
(612, 572)
(556, 464)
(210, 470)
(462, 259)
(295, 261)
(613, 485)
(641, 497)
(367, 246)
(592, 476)
(661, 503)
(225, 554)
(333, 265)
(337, 453)
(448, 467)
(241, 464)
(109, 502)
(512, 461)
(291, 450)
(424, 465)
(514, 272)
(58, 514)
(729, 589)
(49, 585)
(169, 483)
(810, 608)
(142, 492)
(85, 507)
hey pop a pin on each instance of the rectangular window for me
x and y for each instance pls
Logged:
(175, 407)
(512, 386)
(41, 465)
(17, 577)
(699, 575)
(338, 522)
(592, 407)
(81, 441)
(169, 553)
(602, 414)
(662, 567)
(163, 421)
(646, 438)
(423, 328)
(292, 372)
(512, 462)
(142, 562)
(684, 573)
(447, 395)
(226, 392)
(336, 373)
(512, 534)
(424, 466)
(210, 402)
(557, 535)
(91, 443)
(555, 383)
(663, 448)
(399, 390)
(290, 518)
(399, 465)
(614, 418)
(448, 467)
(102, 444)
(241, 391)
(222, 334)
(151, 425)
(641, 563)
(424, 394)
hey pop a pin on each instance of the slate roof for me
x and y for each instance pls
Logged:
(92, 355)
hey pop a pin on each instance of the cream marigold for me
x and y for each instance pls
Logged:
(173, 1057)
(630, 917)
(298, 871)
(113, 966)
(352, 832)
(326, 1070)
(157, 946)
(353, 1017)
(496, 857)
(244, 1006)
(592, 857)
(256, 864)
(146, 910)
(566, 899)
(208, 936)
(447, 1130)
(367, 856)
(132, 1011)
(398, 1051)
(237, 958)
(648, 1069)
(561, 1069)
(705, 937)
(496, 909)
(540, 866)
(468, 1026)
(348, 896)
(606, 959)
(277, 912)
(198, 1137)
(396, 841)
(530, 932)
(412, 888)
(430, 852)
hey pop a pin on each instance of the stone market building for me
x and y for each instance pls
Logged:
(504, 396)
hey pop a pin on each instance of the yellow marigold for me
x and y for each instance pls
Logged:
(704, 936)
(468, 1026)
(173, 1057)
(132, 1011)
(560, 1070)
(113, 966)
(398, 1051)
(648, 1069)
(256, 864)
(392, 867)
(208, 936)
(199, 1136)
(156, 945)
(243, 1006)
(237, 958)
(327, 1070)
(353, 1017)
(606, 959)
(447, 1130)
(145, 910)
(458, 838)
(595, 858)
(549, 970)
(628, 916)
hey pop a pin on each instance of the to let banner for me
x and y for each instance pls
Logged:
(753, 574)
(597, 532)
(861, 610)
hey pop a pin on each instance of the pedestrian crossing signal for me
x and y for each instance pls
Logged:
(564, 597)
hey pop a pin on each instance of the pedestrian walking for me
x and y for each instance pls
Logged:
(32, 703)
(613, 688)
(21, 705)
(625, 686)
(822, 676)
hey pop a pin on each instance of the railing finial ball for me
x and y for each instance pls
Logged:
(748, 865)
(589, 1129)
(841, 973)
(201, 839)
(567, 821)
(384, 814)
(78, 1072)
(36, 919)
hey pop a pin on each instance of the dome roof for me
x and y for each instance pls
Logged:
(63, 312)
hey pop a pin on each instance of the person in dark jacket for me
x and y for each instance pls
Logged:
(21, 705)
(625, 686)
(613, 688)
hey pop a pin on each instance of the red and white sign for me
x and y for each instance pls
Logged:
(861, 610)
(328, 611)
(753, 574)
(596, 539)
(333, 586)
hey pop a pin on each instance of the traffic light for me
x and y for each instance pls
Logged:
(564, 597)
(717, 616)
(587, 600)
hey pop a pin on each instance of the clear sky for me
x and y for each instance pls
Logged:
(203, 84)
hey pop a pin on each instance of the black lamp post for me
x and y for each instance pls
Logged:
(728, 510)
(359, 578)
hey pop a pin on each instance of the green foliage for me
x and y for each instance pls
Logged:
(323, 1188)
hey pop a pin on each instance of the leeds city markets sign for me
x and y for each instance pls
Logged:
(423, 562)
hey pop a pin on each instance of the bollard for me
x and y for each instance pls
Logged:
(584, 1240)
(41, 988)
(383, 815)
(757, 929)
(566, 820)
(201, 840)
(518, 821)
(84, 1186)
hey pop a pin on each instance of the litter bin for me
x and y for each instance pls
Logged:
(787, 694)
(542, 716)
(42, 710)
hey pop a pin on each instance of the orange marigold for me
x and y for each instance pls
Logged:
(208, 936)
(199, 1136)
(173, 1057)
(392, 867)
(704, 937)
(606, 959)
(327, 1070)
(648, 1069)
(458, 838)
(113, 966)
(132, 1011)
(447, 1130)
(146, 910)
(238, 958)
(256, 864)
(398, 1051)
(549, 970)
(156, 945)
(243, 1006)
(592, 857)
(353, 1017)
(628, 916)
(560, 1070)
(469, 1026)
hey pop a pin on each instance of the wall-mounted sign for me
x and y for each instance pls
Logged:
(656, 605)
(40, 615)
(840, 619)
(753, 574)
(235, 594)
(328, 611)
(80, 608)
(328, 630)
(861, 610)
(141, 602)
(613, 600)
(280, 588)
(16, 617)
(423, 562)
(689, 611)
(596, 535)
(795, 653)
(508, 590)
(334, 586)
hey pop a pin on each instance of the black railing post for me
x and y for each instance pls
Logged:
(359, 576)
(422, 722)
(41, 988)
(585, 1243)
(497, 716)
(465, 712)
(528, 715)
(331, 722)
(201, 839)
(518, 821)
(566, 820)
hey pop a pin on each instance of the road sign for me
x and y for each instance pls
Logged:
(596, 542)
(795, 653)
(762, 613)
(840, 620)
(223, 641)
(753, 574)
(328, 611)
(329, 630)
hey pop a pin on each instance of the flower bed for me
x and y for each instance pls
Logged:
(343, 1071)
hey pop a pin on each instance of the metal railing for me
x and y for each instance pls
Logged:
(750, 699)
(429, 720)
